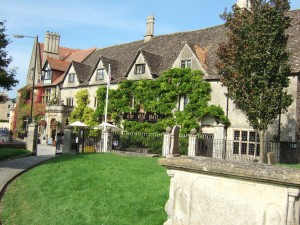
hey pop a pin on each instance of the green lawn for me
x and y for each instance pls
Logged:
(10, 153)
(89, 189)
(297, 166)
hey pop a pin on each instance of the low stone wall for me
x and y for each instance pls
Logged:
(13, 145)
(210, 191)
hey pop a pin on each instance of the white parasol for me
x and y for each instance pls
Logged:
(77, 124)
(102, 125)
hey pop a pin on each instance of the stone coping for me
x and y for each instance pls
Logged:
(251, 171)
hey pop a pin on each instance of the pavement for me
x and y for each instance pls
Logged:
(12, 168)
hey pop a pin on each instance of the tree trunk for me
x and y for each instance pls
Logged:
(263, 153)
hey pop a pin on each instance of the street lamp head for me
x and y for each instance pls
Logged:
(23, 36)
(18, 36)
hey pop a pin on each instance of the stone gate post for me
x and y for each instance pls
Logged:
(106, 140)
(32, 138)
(67, 146)
(174, 147)
(193, 143)
(218, 142)
(166, 142)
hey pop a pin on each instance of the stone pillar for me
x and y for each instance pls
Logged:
(32, 138)
(218, 142)
(193, 143)
(293, 206)
(167, 142)
(106, 140)
(67, 146)
(174, 149)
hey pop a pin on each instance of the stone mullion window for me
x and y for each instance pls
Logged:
(246, 143)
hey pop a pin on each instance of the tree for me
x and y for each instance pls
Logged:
(7, 76)
(254, 63)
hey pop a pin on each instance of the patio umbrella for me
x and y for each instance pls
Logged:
(102, 125)
(77, 124)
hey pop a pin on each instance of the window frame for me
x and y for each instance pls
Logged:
(185, 63)
(246, 143)
(140, 68)
(47, 95)
(100, 76)
(71, 78)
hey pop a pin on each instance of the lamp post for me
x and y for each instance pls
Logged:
(30, 119)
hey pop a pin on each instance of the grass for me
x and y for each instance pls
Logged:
(11, 153)
(296, 166)
(89, 189)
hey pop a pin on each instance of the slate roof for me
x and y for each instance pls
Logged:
(161, 51)
(81, 70)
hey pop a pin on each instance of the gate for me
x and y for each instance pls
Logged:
(205, 146)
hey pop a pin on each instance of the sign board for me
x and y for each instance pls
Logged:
(142, 117)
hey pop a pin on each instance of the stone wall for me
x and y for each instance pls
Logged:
(212, 191)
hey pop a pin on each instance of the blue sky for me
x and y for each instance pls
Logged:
(100, 23)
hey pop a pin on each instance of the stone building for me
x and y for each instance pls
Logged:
(6, 106)
(52, 60)
(148, 58)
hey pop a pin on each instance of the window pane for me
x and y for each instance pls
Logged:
(100, 74)
(251, 149)
(244, 135)
(236, 147)
(252, 136)
(140, 69)
(244, 149)
(71, 77)
(236, 135)
(186, 63)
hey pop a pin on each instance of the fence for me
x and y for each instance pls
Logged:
(285, 152)
(127, 141)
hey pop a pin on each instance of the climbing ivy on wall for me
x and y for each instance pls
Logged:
(82, 112)
(161, 96)
(23, 108)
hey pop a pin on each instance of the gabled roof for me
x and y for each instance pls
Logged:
(154, 62)
(162, 51)
(66, 57)
(114, 65)
(82, 71)
(78, 55)
(56, 64)
(165, 49)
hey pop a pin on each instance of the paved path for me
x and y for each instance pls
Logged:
(11, 168)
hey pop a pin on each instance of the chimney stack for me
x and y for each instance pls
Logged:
(51, 46)
(51, 42)
(150, 28)
(244, 4)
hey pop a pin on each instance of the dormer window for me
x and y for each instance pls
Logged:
(71, 77)
(187, 63)
(100, 74)
(139, 69)
(47, 75)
